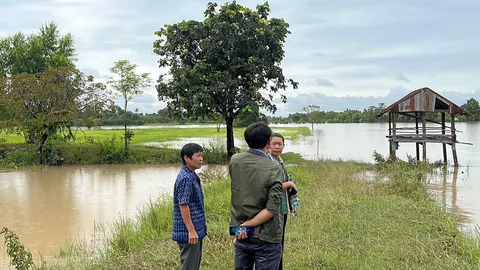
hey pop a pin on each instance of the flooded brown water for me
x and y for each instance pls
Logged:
(47, 206)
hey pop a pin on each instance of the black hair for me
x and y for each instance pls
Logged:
(278, 135)
(189, 150)
(257, 135)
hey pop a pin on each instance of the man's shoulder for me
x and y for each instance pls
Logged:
(248, 157)
(183, 175)
(239, 157)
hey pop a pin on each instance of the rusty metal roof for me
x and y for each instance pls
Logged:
(423, 100)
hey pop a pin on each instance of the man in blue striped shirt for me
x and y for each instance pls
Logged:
(189, 222)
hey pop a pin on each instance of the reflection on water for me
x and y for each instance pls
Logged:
(46, 206)
(443, 186)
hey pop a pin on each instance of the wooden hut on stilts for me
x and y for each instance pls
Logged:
(419, 104)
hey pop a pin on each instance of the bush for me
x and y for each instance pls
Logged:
(215, 153)
(17, 155)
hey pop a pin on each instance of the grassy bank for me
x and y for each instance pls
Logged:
(105, 152)
(106, 147)
(347, 220)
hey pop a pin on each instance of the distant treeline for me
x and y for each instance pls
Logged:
(368, 115)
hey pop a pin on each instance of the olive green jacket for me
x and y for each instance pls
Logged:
(257, 185)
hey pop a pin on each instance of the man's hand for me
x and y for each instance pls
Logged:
(288, 185)
(192, 237)
(243, 235)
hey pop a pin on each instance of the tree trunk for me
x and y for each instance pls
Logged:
(218, 127)
(230, 138)
(125, 124)
(30, 136)
(40, 147)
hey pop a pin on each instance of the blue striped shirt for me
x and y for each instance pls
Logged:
(188, 190)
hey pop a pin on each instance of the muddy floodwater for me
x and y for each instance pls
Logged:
(48, 206)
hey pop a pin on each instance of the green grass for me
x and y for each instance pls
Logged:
(344, 222)
(11, 138)
(163, 134)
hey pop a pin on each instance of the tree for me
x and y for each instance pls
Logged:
(311, 112)
(218, 120)
(49, 101)
(223, 64)
(34, 54)
(128, 84)
(473, 108)
(250, 115)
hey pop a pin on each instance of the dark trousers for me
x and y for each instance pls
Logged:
(190, 255)
(265, 256)
(280, 267)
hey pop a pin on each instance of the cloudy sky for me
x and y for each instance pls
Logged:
(344, 53)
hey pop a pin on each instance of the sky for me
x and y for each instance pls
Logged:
(344, 53)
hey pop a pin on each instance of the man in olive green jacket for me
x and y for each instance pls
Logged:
(256, 202)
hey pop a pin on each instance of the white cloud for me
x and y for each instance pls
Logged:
(361, 47)
(86, 19)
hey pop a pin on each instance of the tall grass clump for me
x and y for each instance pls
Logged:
(407, 178)
(215, 153)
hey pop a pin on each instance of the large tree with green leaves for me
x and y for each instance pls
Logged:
(128, 84)
(223, 64)
(250, 115)
(49, 101)
(34, 54)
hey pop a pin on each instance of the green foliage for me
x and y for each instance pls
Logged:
(215, 154)
(250, 115)
(42, 92)
(406, 178)
(21, 258)
(13, 155)
(32, 54)
(473, 108)
(37, 52)
(312, 113)
(126, 81)
(222, 64)
(42, 104)
(128, 85)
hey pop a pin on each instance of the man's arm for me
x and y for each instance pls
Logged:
(187, 219)
(262, 217)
